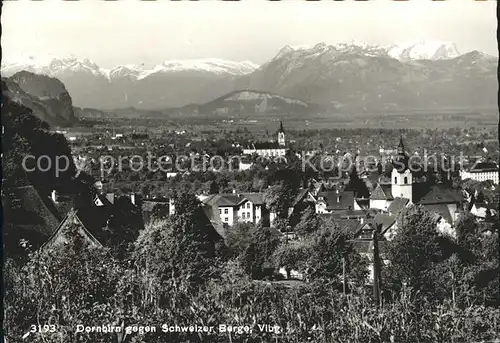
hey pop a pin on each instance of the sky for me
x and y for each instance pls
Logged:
(134, 32)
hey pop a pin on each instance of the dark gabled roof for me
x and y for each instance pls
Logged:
(350, 226)
(64, 206)
(363, 213)
(382, 192)
(384, 221)
(487, 205)
(103, 199)
(397, 205)
(230, 199)
(302, 194)
(255, 198)
(363, 203)
(148, 205)
(71, 218)
(483, 167)
(24, 208)
(223, 200)
(442, 210)
(338, 201)
(435, 194)
(215, 221)
(110, 197)
(265, 146)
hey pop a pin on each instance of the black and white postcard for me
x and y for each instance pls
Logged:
(250, 171)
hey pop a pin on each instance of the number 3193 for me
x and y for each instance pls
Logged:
(42, 328)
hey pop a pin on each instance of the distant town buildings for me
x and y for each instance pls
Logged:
(482, 171)
(269, 149)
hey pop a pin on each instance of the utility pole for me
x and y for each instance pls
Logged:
(343, 274)
(376, 267)
(453, 287)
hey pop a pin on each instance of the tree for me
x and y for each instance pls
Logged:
(328, 247)
(257, 257)
(357, 185)
(214, 187)
(186, 245)
(467, 230)
(309, 222)
(238, 237)
(292, 256)
(280, 196)
(414, 251)
(125, 223)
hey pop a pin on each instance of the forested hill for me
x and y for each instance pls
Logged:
(26, 189)
(47, 97)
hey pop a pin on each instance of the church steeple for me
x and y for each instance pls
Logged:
(401, 160)
(401, 146)
(281, 135)
(402, 178)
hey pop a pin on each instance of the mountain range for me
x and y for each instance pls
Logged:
(348, 76)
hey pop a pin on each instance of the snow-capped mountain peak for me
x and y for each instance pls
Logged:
(209, 65)
(423, 50)
(430, 50)
(55, 66)
(50, 65)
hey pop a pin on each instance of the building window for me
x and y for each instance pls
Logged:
(226, 219)
(220, 210)
(406, 180)
(226, 211)
(396, 179)
(248, 205)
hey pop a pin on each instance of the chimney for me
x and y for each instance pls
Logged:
(98, 186)
(457, 216)
(171, 206)
(53, 195)
(132, 198)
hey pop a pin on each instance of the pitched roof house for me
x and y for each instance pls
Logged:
(71, 228)
(230, 208)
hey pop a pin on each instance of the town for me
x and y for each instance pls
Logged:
(359, 195)
(250, 172)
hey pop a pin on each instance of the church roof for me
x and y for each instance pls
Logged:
(435, 194)
(265, 146)
(382, 192)
(397, 205)
(483, 167)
